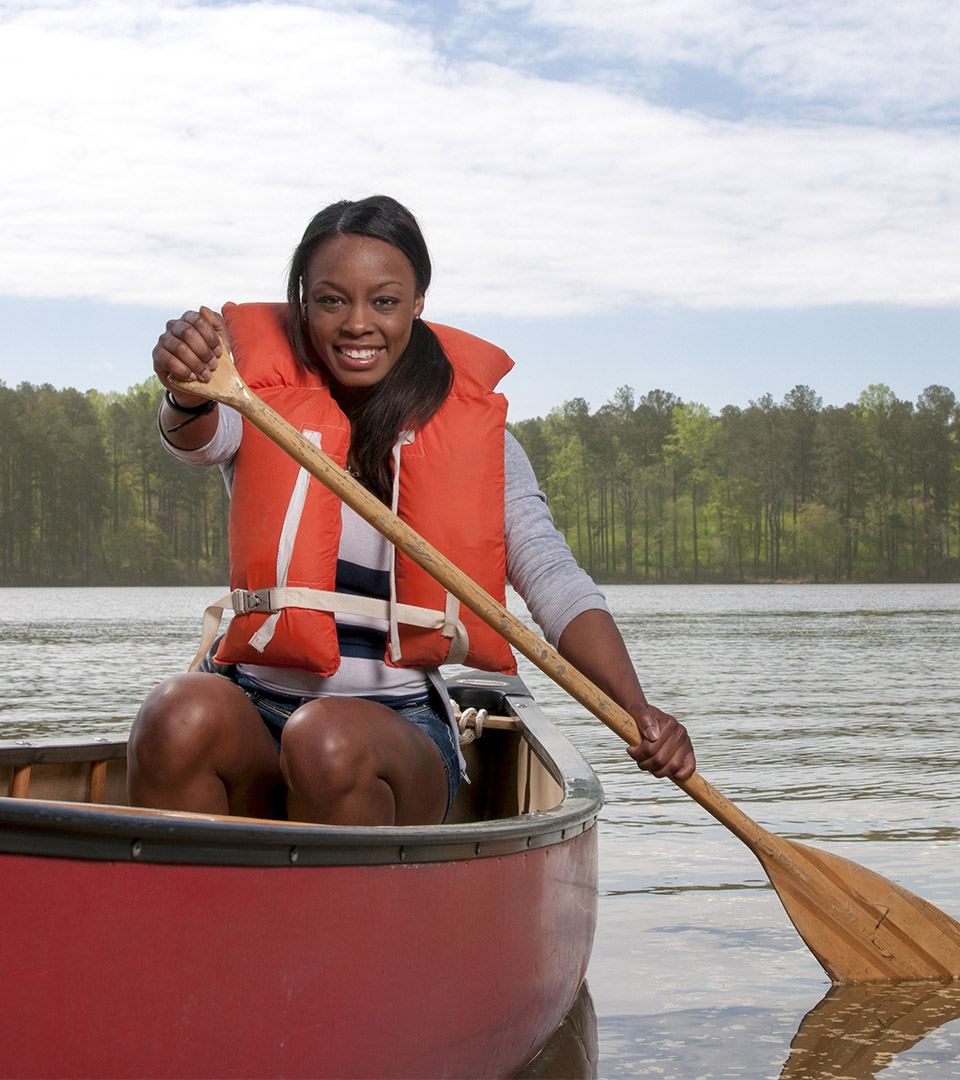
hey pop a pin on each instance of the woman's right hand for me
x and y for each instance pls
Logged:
(188, 350)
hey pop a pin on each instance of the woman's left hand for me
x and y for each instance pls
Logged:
(666, 750)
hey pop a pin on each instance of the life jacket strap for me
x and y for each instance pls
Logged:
(273, 601)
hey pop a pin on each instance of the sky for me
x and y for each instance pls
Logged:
(718, 198)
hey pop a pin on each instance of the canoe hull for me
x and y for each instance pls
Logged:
(157, 945)
(317, 971)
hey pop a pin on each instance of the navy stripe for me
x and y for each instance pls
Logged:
(362, 580)
(363, 646)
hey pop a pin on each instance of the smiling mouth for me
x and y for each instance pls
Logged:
(360, 354)
(352, 358)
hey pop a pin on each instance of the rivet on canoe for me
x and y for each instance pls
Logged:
(135, 849)
(294, 854)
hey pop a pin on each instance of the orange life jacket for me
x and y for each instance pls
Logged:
(285, 525)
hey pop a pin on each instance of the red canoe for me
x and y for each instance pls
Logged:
(147, 944)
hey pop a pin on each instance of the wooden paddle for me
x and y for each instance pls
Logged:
(861, 927)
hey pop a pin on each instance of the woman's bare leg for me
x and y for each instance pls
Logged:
(199, 744)
(347, 761)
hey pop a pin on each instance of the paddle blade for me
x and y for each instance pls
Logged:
(860, 926)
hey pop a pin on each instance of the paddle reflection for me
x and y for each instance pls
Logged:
(573, 1049)
(856, 1031)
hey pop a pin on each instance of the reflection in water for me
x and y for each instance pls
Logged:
(856, 1031)
(572, 1052)
(852, 1033)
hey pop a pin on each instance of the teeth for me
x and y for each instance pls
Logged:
(360, 354)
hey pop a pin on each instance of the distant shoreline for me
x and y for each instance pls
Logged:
(600, 580)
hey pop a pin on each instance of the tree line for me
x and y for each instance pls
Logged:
(88, 495)
(648, 489)
(660, 490)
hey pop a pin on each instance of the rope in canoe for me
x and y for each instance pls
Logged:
(470, 723)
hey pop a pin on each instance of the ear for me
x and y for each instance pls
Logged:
(418, 306)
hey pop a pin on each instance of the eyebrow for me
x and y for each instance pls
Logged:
(335, 285)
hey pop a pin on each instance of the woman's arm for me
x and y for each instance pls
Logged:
(594, 645)
(573, 615)
(540, 564)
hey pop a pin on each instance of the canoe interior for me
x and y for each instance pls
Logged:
(508, 776)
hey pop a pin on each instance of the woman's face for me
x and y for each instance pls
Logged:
(359, 305)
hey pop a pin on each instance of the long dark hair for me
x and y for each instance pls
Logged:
(421, 379)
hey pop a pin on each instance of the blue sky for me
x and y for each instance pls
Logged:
(719, 198)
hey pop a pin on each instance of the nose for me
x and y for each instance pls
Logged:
(356, 320)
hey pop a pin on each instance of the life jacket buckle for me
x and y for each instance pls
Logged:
(244, 601)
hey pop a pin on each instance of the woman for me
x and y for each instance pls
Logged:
(328, 710)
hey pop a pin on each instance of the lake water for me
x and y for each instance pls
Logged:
(831, 714)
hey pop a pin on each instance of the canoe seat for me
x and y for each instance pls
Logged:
(78, 771)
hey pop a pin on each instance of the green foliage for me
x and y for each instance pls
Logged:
(785, 490)
(138, 552)
(88, 496)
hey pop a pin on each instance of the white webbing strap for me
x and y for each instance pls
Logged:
(451, 627)
(288, 534)
(275, 600)
(208, 631)
(404, 439)
(451, 620)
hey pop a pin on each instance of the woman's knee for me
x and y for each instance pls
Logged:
(178, 718)
(323, 745)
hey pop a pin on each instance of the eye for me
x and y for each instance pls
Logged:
(327, 301)
(387, 302)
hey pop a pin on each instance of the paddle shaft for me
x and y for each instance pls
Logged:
(493, 613)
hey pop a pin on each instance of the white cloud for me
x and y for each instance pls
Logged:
(873, 58)
(171, 153)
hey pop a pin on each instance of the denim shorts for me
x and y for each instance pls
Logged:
(275, 709)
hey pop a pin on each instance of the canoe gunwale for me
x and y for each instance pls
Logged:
(122, 834)
(27, 752)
